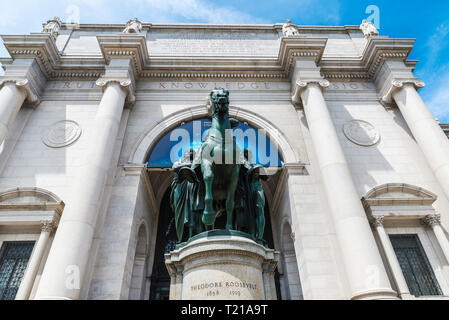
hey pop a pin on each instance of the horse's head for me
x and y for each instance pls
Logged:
(219, 99)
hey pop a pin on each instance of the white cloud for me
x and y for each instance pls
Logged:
(436, 96)
(436, 43)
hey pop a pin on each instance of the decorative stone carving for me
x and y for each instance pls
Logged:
(322, 83)
(126, 84)
(368, 29)
(62, 134)
(302, 85)
(361, 133)
(47, 226)
(52, 27)
(24, 85)
(399, 84)
(377, 222)
(432, 220)
(133, 26)
(289, 30)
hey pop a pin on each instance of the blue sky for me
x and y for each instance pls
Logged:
(428, 22)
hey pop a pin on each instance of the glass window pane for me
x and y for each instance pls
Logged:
(14, 258)
(415, 266)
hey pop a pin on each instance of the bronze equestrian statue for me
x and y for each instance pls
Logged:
(219, 156)
(205, 183)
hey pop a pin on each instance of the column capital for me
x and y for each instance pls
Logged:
(376, 221)
(26, 74)
(432, 220)
(398, 84)
(125, 84)
(25, 86)
(302, 84)
(48, 226)
(120, 71)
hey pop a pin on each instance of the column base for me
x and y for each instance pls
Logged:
(53, 298)
(378, 294)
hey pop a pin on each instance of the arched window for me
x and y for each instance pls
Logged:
(190, 135)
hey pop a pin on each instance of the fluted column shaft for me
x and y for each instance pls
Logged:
(66, 264)
(364, 267)
(425, 129)
(33, 265)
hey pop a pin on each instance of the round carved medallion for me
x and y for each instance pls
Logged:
(62, 134)
(361, 133)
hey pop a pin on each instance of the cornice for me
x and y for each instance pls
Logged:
(129, 46)
(55, 66)
(147, 26)
(368, 65)
(41, 47)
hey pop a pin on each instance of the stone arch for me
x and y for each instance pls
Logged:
(399, 192)
(28, 195)
(22, 201)
(403, 197)
(138, 276)
(146, 142)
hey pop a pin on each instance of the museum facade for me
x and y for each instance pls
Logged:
(356, 202)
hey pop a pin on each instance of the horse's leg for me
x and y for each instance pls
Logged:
(208, 177)
(230, 203)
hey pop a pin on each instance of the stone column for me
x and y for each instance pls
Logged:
(12, 95)
(425, 129)
(33, 265)
(65, 268)
(434, 221)
(378, 225)
(364, 267)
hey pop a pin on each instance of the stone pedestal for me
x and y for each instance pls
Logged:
(220, 265)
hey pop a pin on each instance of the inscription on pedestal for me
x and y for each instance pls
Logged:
(222, 268)
(230, 288)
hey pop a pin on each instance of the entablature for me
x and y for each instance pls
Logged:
(57, 65)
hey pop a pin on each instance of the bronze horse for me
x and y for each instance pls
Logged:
(219, 156)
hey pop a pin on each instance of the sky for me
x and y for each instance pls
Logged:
(427, 22)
